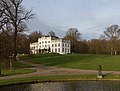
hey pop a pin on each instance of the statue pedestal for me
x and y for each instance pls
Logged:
(99, 76)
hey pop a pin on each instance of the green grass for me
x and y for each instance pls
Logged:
(20, 65)
(45, 79)
(16, 65)
(18, 68)
(54, 78)
(5, 72)
(77, 61)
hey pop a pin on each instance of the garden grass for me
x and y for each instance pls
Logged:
(77, 61)
(18, 68)
(5, 72)
(56, 78)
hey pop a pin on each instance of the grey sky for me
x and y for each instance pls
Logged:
(91, 17)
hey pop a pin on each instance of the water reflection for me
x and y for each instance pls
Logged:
(66, 86)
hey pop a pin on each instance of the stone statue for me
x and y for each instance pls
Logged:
(100, 72)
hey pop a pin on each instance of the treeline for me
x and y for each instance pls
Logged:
(22, 41)
(13, 17)
(108, 43)
(13, 40)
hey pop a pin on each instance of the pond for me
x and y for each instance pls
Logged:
(66, 86)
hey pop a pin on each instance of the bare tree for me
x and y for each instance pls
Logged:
(23, 43)
(13, 13)
(113, 34)
(51, 33)
(33, 37)
(74, 36)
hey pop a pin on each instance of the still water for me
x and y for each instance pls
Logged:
(66, 86)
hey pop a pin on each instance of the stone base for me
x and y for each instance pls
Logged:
(99, 76)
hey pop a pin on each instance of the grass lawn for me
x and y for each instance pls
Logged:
(77, 61)
(5, 72)
(45, 78)
(18, 68)
(56, 78)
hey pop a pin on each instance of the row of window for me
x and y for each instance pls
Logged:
(65, 50)
(56, 45)
(63, 45)
(45, 46)
(44, 42)
(57, 50)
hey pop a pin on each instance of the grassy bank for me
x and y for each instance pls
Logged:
(18, 68)
(5, 72)
(56, 78)
(77, 61)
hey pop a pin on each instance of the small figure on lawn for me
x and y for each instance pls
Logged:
(100, 72)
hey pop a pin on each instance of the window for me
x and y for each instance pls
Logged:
(52, 45)
(65, 50)
(59, 44)
(62, 49)
(45, 45)
(55, 45)
(52, 50)
(42, 45)
(45, 41)
(58, 49)
(42, 41)
(63, 45)
(48, 41)
(68, 45)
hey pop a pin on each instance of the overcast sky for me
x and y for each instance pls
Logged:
(91, 17)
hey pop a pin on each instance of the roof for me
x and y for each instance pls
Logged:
(51, 36)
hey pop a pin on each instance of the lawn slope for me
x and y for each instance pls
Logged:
(77, 61)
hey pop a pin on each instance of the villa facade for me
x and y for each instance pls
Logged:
(50, 44)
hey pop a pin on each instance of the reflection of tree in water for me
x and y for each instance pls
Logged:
(69, 86)
(77, 86)
(66, 86)
(91, 86)
(18, 87)
(47, 86)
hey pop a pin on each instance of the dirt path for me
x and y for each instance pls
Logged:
(43, 70)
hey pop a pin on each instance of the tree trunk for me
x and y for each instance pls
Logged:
(15, 43)
(11, 66)
(115, 52)
(15, 48)
(111, 51)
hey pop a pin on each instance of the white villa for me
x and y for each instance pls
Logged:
(50, 44)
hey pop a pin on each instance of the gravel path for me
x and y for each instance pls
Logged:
(43, 70)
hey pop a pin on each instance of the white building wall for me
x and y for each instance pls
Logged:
(56, 45)
(34, 47)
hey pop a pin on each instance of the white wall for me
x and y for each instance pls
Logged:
(46, 42)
